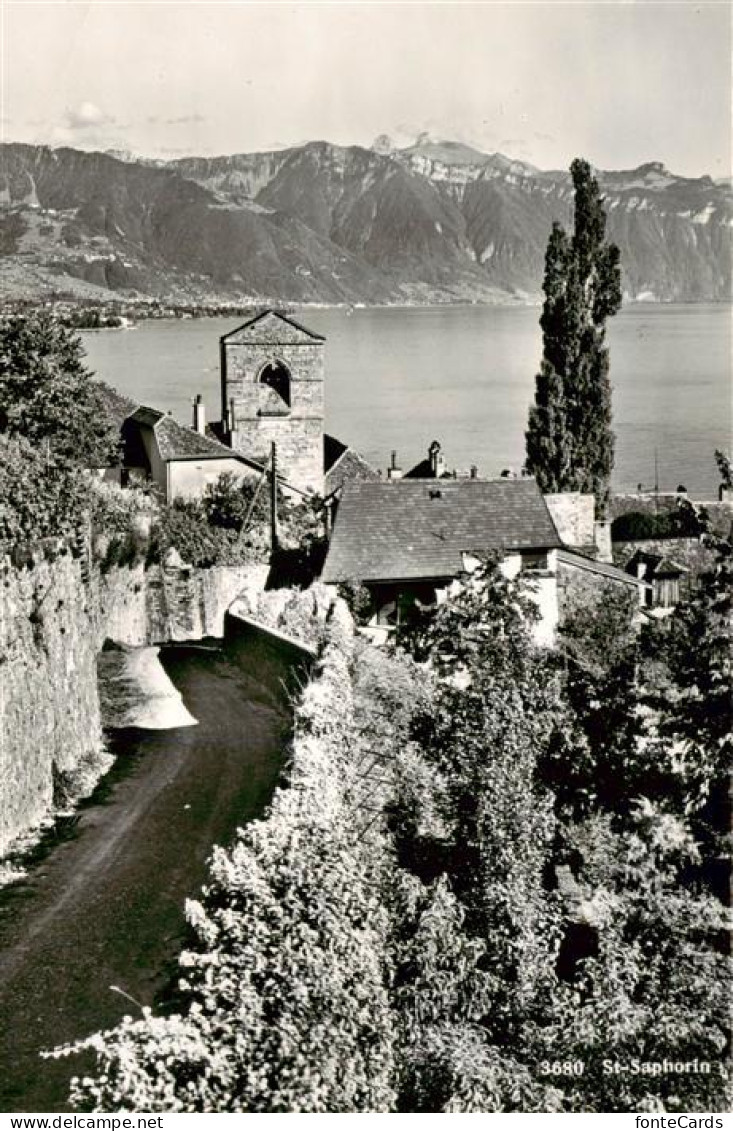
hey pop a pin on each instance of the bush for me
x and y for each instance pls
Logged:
(183, 526)
(227, 502)
(636, 526)
(39, 497)
(120, 510)
(287, 1006)
(125, 550)
(358, 599)
(395, 934)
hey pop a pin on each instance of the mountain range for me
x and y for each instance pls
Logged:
(433, 222)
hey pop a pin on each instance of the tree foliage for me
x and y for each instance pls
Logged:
(725, 470)
(569, 437)
(229, 501)
(39, 497)
(48, 398)
(480, 888)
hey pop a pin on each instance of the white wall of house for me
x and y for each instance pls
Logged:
(544, 594)
(542, 590)
(188, 478)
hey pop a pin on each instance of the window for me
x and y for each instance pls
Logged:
(398, 605)
(276, 378)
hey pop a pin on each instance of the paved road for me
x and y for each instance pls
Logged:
(106, 906)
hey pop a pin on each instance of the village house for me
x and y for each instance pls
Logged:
(668, 580)
(406, 537)
(156, 449)
(406, 540)
(272, 377)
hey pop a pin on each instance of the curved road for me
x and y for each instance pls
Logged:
(105, 907)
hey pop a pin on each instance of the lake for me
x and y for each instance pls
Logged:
(399, 377)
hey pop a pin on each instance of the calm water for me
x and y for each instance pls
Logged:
(398, 378)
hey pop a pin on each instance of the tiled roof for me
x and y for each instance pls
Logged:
(390, 531)
(118, 406)
(348, 467)
(669, 568)
(603, 569)
(657, 565)
(146, 416)
(176, 442)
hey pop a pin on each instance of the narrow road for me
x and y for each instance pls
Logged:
(105, 907)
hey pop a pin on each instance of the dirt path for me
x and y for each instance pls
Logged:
(106, 907)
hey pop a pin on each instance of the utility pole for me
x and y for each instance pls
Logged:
(273, 497)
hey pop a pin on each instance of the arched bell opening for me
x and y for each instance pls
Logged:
(276, 376)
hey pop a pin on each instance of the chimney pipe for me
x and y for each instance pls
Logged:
(232, 423)
(474, 471)
(199, 414)
(393, 471)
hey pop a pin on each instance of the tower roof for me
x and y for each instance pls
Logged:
(270, 327)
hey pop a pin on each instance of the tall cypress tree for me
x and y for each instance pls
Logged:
(569, 438)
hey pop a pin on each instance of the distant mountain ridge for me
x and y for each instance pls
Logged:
(436, 221)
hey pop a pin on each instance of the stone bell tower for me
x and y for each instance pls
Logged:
(272, 376)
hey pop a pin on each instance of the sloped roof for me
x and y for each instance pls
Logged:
(147, 416)
(118, 406)
(348, 467)
(333, 449)
(394, 531)
(271, 327)
(177, 442)
(657, 565)
(667, 567)
(602, 569)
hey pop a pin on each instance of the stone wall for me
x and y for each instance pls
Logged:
(261, 418)
(54, 618)
(299, 447)
(582, 587)
(168, 603)
(50, 731)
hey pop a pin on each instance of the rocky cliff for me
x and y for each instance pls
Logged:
(55, 619)
(435, 221)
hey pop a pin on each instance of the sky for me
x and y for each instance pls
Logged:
(619, 83)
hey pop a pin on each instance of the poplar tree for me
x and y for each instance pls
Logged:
(569, 438)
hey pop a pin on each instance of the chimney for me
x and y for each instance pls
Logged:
(436, 461)
(474, 471)
(602, 532)
(199, 414)
(393, 471)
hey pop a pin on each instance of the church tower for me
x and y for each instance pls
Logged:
(272, 376)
